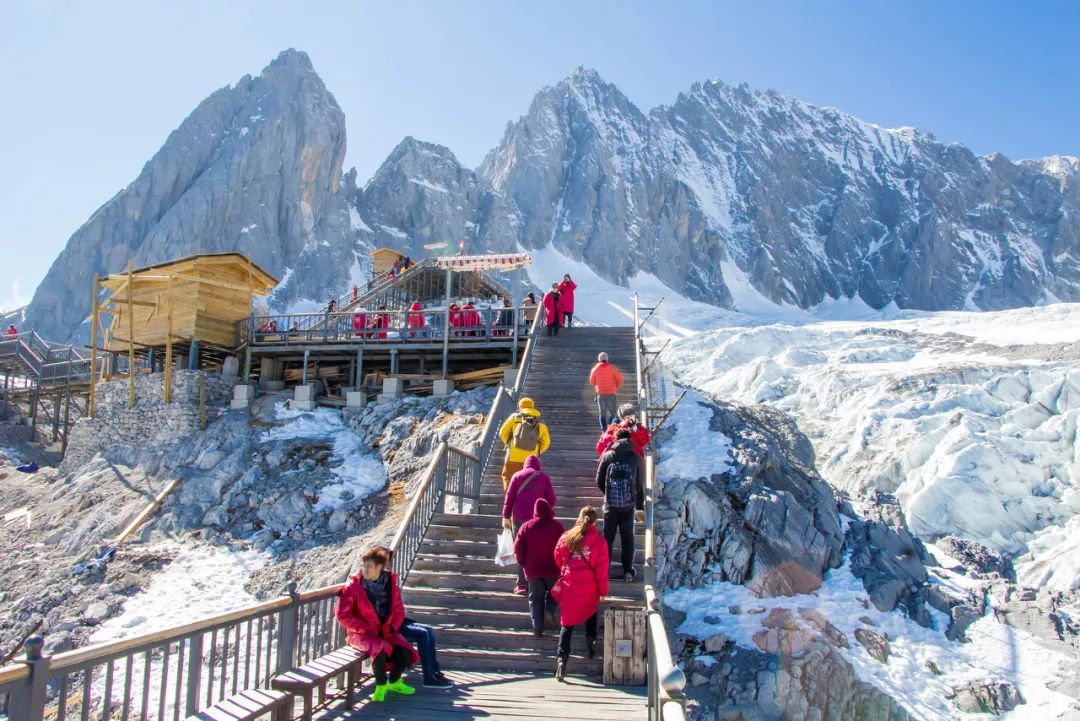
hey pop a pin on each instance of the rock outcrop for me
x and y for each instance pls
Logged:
(769, 522)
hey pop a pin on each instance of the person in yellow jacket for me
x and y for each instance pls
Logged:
(523, 435)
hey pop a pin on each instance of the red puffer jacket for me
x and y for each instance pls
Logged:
(639, 435)
(363, 630)
(552, 316)
(534, 547)
(566, 296)
(581, 574)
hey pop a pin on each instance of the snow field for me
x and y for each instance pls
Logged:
(974, 440)
(360, 472)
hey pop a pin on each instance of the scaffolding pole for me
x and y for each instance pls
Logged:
(131, 337)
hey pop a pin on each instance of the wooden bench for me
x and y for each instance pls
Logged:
(248, 706)
(303, 681)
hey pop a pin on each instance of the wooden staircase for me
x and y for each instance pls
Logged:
(454, 584)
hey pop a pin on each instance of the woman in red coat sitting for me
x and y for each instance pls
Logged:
(371, 611)
(582, 556)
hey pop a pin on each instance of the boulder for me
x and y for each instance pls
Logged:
(989, 697)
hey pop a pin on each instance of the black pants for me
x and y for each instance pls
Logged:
(399, 658)
(553, 329)
(568, 319)
(621, 521)
(566, 634)
(540, 600)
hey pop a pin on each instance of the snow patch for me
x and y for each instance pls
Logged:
(695, 450)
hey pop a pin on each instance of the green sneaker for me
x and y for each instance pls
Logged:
(401, 687)
(379, 694)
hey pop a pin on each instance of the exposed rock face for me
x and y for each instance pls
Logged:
(806, 202)
(888, 559)
(723, 193)
(993, 698)
(770, 522)
(979, 558)
(255, 168)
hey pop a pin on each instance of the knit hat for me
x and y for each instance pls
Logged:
(525, 404)
(626, 410)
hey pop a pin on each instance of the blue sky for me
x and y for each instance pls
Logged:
(92, 89)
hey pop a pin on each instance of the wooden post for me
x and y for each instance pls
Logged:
(131, 337)
(93, 345)
(168, 349)
(202, 402)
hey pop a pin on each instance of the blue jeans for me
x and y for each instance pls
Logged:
(424, 638)
(609, 410)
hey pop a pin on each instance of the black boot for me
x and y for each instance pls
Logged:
(560, 669)
(590, 644)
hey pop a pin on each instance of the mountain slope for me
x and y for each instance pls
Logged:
(255, 168)
(806, 202)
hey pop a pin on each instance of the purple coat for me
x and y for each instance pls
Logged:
(519, 503)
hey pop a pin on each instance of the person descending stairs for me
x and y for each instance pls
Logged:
(455, 585)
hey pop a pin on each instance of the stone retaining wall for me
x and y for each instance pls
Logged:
(151, 420)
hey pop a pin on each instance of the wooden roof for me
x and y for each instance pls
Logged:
(380, 251)
(261, 281)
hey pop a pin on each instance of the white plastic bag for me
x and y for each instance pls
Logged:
(504, 553)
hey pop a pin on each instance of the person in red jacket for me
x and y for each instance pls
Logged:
(552, 315)
(527, 485)
(12, 330)
(606, 380)
(566, 300)
(639, 434)
(370, 609)
(470, 319)
(415, 320)
(534, 549)
(582, 557)
(456, 320)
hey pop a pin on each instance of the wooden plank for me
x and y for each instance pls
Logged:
(609, 645)
(637, 662)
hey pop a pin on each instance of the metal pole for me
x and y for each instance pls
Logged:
(168, 350)
(93, 345)
(446, 327)
(359, 368)
(247, 347)
(131, 336)
(303, 379)
(514, 350)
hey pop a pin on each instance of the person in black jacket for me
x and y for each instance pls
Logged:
(621, 477)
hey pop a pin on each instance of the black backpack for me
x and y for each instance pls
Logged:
(619, 486)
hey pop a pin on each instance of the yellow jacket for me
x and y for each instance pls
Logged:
(506, 433)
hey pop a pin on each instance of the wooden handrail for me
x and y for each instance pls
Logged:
(13, 672)
(77, 657)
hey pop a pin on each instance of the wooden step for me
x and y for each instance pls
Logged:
(484, 660)
(426, 561)
(499, 600)
(496, 582)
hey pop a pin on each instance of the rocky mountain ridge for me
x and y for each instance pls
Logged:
(728, 196)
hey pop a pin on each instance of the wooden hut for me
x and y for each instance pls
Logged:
(383, 259)
(199, 298)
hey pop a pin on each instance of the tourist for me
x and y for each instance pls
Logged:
(504, 321)
(606, 380)
(551, 310)
(527, 485)
(456, 318)
(620, 477)
(355, 292)
(371, 611)
(582, 557)
(11, 330)
(470, 318)
(534, 549)
(566, 300)
(523, 435)
(331, 306)
(639, 434)
(529, 304)
(415, 320)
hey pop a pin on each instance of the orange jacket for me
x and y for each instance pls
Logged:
(605, 378)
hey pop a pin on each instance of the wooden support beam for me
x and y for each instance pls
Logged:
(131, 343)
(93, 344)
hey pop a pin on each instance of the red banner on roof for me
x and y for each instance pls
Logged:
(506, 261)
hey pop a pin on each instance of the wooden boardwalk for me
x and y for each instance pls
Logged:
(500, 669)
(504, 697)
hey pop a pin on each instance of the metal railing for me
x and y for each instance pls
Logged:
(363, 327)
(665, 681)
(173, 673)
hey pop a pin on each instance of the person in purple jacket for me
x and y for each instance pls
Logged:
(534, 549)
(525, 487)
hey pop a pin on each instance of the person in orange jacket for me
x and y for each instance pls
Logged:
(606, 379)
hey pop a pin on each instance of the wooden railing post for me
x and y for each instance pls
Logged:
(286, 649)
(28, 702)
(194, 674)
